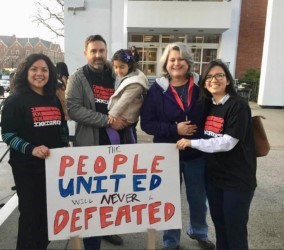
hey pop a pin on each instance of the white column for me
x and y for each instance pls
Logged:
(229, 41)
(271, 86)
(118, 31)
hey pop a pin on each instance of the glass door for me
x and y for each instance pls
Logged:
(149, 62)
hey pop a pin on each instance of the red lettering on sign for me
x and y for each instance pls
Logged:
(66, 161)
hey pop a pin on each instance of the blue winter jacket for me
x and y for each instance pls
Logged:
(160, 114)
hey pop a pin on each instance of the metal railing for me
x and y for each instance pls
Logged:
(251, 87)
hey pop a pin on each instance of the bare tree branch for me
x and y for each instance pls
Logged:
(50, 14)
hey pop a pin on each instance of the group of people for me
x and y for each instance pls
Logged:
(209, 123)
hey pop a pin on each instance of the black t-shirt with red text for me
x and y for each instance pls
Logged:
(233, 170)
(102, 84)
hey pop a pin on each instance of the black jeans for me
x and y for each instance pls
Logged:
(31, 190)
(92, 243)
(230, 213)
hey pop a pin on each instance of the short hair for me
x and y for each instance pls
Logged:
(21, 82)
(133, 47)
(125, 55)
(94, 38)
(185, 53)
(230, 89)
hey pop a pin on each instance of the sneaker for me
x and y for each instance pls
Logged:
(113, 239)
(204, 243)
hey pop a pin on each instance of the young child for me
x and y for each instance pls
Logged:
(130, 85)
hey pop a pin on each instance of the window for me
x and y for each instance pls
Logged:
(149, 69)
(196, 54)
(209, 55)
(173, 38)
(211, 38)
(151, 38)
(150, 54)
(195, 38)
(136, 38)
(202, 56)
(149, 61)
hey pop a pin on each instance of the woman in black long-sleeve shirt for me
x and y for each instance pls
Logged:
(33, 122)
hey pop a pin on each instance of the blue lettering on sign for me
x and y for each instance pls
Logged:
(117, 178)
(137, 181)
(99, 180)
(155, 181)
(94, 184)
(69, 190)
(82, 182)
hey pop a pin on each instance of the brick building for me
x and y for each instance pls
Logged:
(251, 35)
(13, 50)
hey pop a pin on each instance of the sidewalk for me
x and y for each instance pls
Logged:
(266, 225)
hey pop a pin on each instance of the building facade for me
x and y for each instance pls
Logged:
(13, 50)
(251, 35)
(233, 30)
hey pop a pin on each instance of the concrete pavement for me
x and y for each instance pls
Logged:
(266, 225)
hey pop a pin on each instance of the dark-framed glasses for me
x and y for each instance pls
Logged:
(218, 77)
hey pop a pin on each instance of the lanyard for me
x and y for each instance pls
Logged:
(189, 94)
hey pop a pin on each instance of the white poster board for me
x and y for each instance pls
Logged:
(105, 190)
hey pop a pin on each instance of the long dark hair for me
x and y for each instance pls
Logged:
(21, 83)
(125, 55)
(62, 70)
(204, 93)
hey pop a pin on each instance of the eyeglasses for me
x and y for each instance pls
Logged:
(218, 77)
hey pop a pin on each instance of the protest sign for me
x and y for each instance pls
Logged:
(113, 189)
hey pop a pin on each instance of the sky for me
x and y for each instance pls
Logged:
(16, 19)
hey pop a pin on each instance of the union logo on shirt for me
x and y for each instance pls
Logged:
(101, 94)
(214, 126)
(46, 116)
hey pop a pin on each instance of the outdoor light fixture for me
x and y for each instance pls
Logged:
(75, 5)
